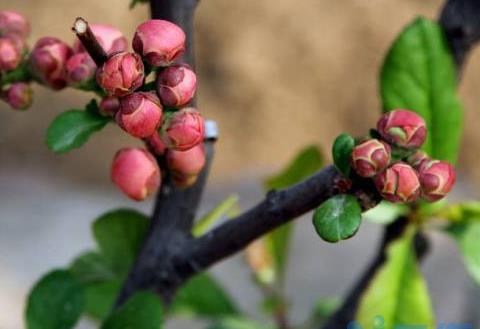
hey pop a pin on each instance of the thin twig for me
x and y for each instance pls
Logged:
(89, 41)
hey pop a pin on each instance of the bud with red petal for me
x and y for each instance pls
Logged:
(183, 130)
(121, 74)
(109, 106)
(11, 49)
(155, 144)
(370, 157)
(186, 165)
(12, 22)
(111, 39)
(403, 128)
(436, 178)
(80, 69)
(398, 183)
(135, 171)
(48, 59)
(140, 114)
(18, 95)
(176, 85)
(417, 158)
(159, 42)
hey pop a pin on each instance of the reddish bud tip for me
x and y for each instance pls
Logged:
(183, 130)
(109, 106)
(160, 42)
(186, 163)
(48, 60)
(111, 39)
(18, 95)
(80, 68)
(436, 178)
(11, 48)
(121, 74)
(399, 183)
(155, 144)
(403, 128)
(176, 85)
(135, 171)
(140, 114)
(15, 23)
(370, 157)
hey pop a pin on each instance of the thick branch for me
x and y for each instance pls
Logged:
(89, 41)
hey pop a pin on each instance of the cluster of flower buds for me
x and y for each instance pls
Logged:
(161, 117)
(402, 172)
(14, 29)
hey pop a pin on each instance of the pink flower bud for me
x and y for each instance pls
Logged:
(399, 183)
(18, 95)
(48, 60)
(417, 158)
(155, 144)
(135, 171)
(109, 106)
(370, 157)
(12, 22)
(186, 163)
(110, 38)
(80, 68)
(121, 74)
(140, 114)
(176, 85)
(436, 178)
(183, 130)
(403, 128)
(11, 48)
(159, 42)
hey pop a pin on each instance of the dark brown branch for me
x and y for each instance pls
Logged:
(89, 41)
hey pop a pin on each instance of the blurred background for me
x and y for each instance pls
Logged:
(276, 75)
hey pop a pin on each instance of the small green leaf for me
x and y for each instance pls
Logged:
(55, 302)
(91, 267)
(142, 311)
(338, 218)
(385, 212)
(397, 293)
(225, 208)
(238, 323)
(99, 298)
(72, 129)
(203, 296)
(419, 74)
(306, 163)
(120, 234)
(341, 153)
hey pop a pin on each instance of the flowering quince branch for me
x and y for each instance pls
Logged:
(89, 41)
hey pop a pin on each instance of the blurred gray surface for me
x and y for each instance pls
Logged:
(45, 221)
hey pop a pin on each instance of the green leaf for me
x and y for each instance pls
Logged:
(419, 74)
(142, 311)
(238, 323)
(72, 129)
(55, 302)
(306, 163)
(467, 236)
(225, 208)
(341, 153)
(385, 212)
(203, 296)
(119, 235)
(338, 218)
(99, 298)
(397, 293)
(91, 267)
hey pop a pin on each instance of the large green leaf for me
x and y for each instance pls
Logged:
(120, 234)
(342, 151)
(385, 212)
(419, 74)
(141, 311)
(397, 293)
(203, 296)
(72, 129)
(100, 296)
(338, 218)
(91, 267)
(55, 302)
(306, 163)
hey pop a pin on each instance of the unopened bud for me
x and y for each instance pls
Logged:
(403, 128)
(417, 158)
(155, 144)
(398, 183)
(135, 171)
(109, 106)
(185, 164)
(183, 130)
(176, 85)
(160, 42)
(370, 157)
(436, 178)
(11, 49)
(12, 22)
(18, 95)
(80, 69)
